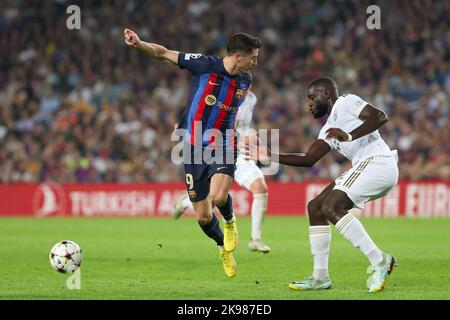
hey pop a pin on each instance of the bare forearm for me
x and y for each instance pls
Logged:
(293, 159)
(262, 153)
(152, 49)
(315, 152)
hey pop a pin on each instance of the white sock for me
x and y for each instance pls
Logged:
(187, 203)
(352, 230)
(320, 239)
(259, 209)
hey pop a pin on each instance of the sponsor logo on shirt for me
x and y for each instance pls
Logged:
(221, 105)
(210, 100)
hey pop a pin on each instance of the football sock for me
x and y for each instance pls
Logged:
(187, 203)
(320, 239)
(352, 230)
(227, 209)
(259, 208)
(212, 230)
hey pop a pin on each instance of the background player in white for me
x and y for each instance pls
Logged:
(351, 128)
(247, 175)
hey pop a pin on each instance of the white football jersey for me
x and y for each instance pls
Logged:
(345, 116)
(244, 115)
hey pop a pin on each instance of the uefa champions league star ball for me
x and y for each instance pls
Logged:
(66, 256)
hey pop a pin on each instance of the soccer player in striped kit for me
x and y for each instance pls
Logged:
(352, 129)
(247, 175)
(218, 87)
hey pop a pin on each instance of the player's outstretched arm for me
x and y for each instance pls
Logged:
(152, 49)
(373, 119)
(262, 153)
(315, 152)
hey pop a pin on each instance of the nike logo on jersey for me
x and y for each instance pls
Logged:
(220, 168)
(212, 83)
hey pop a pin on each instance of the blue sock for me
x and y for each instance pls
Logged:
(212, 230)
(227, 209)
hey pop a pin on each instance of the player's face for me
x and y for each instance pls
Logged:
(247, 61)
(318, 102)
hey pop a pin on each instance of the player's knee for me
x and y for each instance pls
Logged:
(218, 198)
(329, 210)
(314, 209)
(203, 218)
(258, 186)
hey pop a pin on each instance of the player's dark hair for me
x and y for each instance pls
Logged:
(242, 42)
(326, 83)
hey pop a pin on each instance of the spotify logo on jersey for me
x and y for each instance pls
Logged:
(210, 100)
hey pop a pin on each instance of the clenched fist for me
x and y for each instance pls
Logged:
(131, 38)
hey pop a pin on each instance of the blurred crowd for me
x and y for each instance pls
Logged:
(81, 106)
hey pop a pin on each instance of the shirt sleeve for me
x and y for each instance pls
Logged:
(353, 105)
(196, 63)
(322, 135)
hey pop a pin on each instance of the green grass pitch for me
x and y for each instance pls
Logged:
(161, 258)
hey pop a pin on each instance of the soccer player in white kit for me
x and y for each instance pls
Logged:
(247, 175)
(352, 129)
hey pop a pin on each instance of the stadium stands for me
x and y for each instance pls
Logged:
(79, 106)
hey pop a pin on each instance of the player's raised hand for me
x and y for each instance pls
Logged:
(338, 134)
(252, 149)
(131, 38)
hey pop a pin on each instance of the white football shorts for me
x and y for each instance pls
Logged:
(369, 179)
(246, 172)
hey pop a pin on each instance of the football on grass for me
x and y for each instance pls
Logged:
(66, 256)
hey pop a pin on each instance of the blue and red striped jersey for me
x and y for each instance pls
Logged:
(214, 98)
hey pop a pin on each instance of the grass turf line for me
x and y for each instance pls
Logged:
(161, 258)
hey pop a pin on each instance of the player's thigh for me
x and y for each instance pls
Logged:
(368, 180)
(197, 181)
(220, 185)
(247, 173)
(221, 176)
